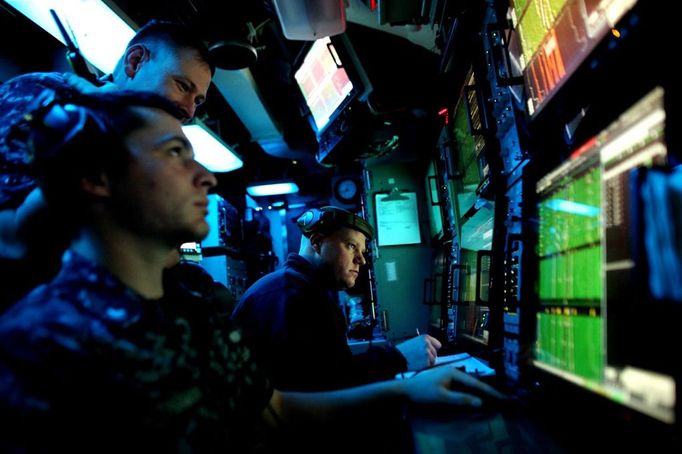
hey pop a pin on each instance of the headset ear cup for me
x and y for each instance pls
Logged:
(55, 131)
(304, 221)
(308, 221)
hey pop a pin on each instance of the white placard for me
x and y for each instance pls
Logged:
(397, 218)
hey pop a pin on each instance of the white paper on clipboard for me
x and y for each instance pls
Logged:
(397, 218)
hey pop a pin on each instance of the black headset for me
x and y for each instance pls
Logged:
(58, 125)
(328, 219)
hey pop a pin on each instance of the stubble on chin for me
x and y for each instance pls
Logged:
(351, 282)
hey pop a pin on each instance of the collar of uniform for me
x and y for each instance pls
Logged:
(99, 292)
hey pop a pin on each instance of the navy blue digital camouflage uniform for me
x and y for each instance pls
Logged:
(87, 364)
(18, 276)
(16, 179)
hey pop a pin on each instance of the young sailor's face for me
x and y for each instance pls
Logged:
(164, 193)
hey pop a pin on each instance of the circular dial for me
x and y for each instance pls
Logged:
(346, 189)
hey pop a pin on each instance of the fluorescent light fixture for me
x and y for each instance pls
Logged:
(97, 30)
(209, 150)
(272, 189)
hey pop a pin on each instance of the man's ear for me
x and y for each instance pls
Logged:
(316, 241)
(134, 58)
(96, 185)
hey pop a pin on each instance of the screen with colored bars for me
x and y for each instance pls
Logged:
(557, 36)
(592, 271)
(324, 82)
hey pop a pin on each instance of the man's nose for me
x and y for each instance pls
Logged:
(191, 110)
(205, 177)
(188, 109)
(187, 114)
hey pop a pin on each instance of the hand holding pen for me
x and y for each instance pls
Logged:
(420, 351)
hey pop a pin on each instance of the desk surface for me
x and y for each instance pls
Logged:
(479, 431)
(537, 429)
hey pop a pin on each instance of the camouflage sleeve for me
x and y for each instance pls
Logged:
(16, 180)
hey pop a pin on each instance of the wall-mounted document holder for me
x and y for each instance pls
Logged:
(397, 218)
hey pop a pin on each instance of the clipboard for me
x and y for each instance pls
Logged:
(397, 218)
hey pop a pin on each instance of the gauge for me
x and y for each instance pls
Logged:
(346, 189)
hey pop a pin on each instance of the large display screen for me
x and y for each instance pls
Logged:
(592, 269)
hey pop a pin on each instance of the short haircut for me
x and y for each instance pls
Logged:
(172, 34)
(83, 136)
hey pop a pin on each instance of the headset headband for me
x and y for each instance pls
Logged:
(329, 219)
